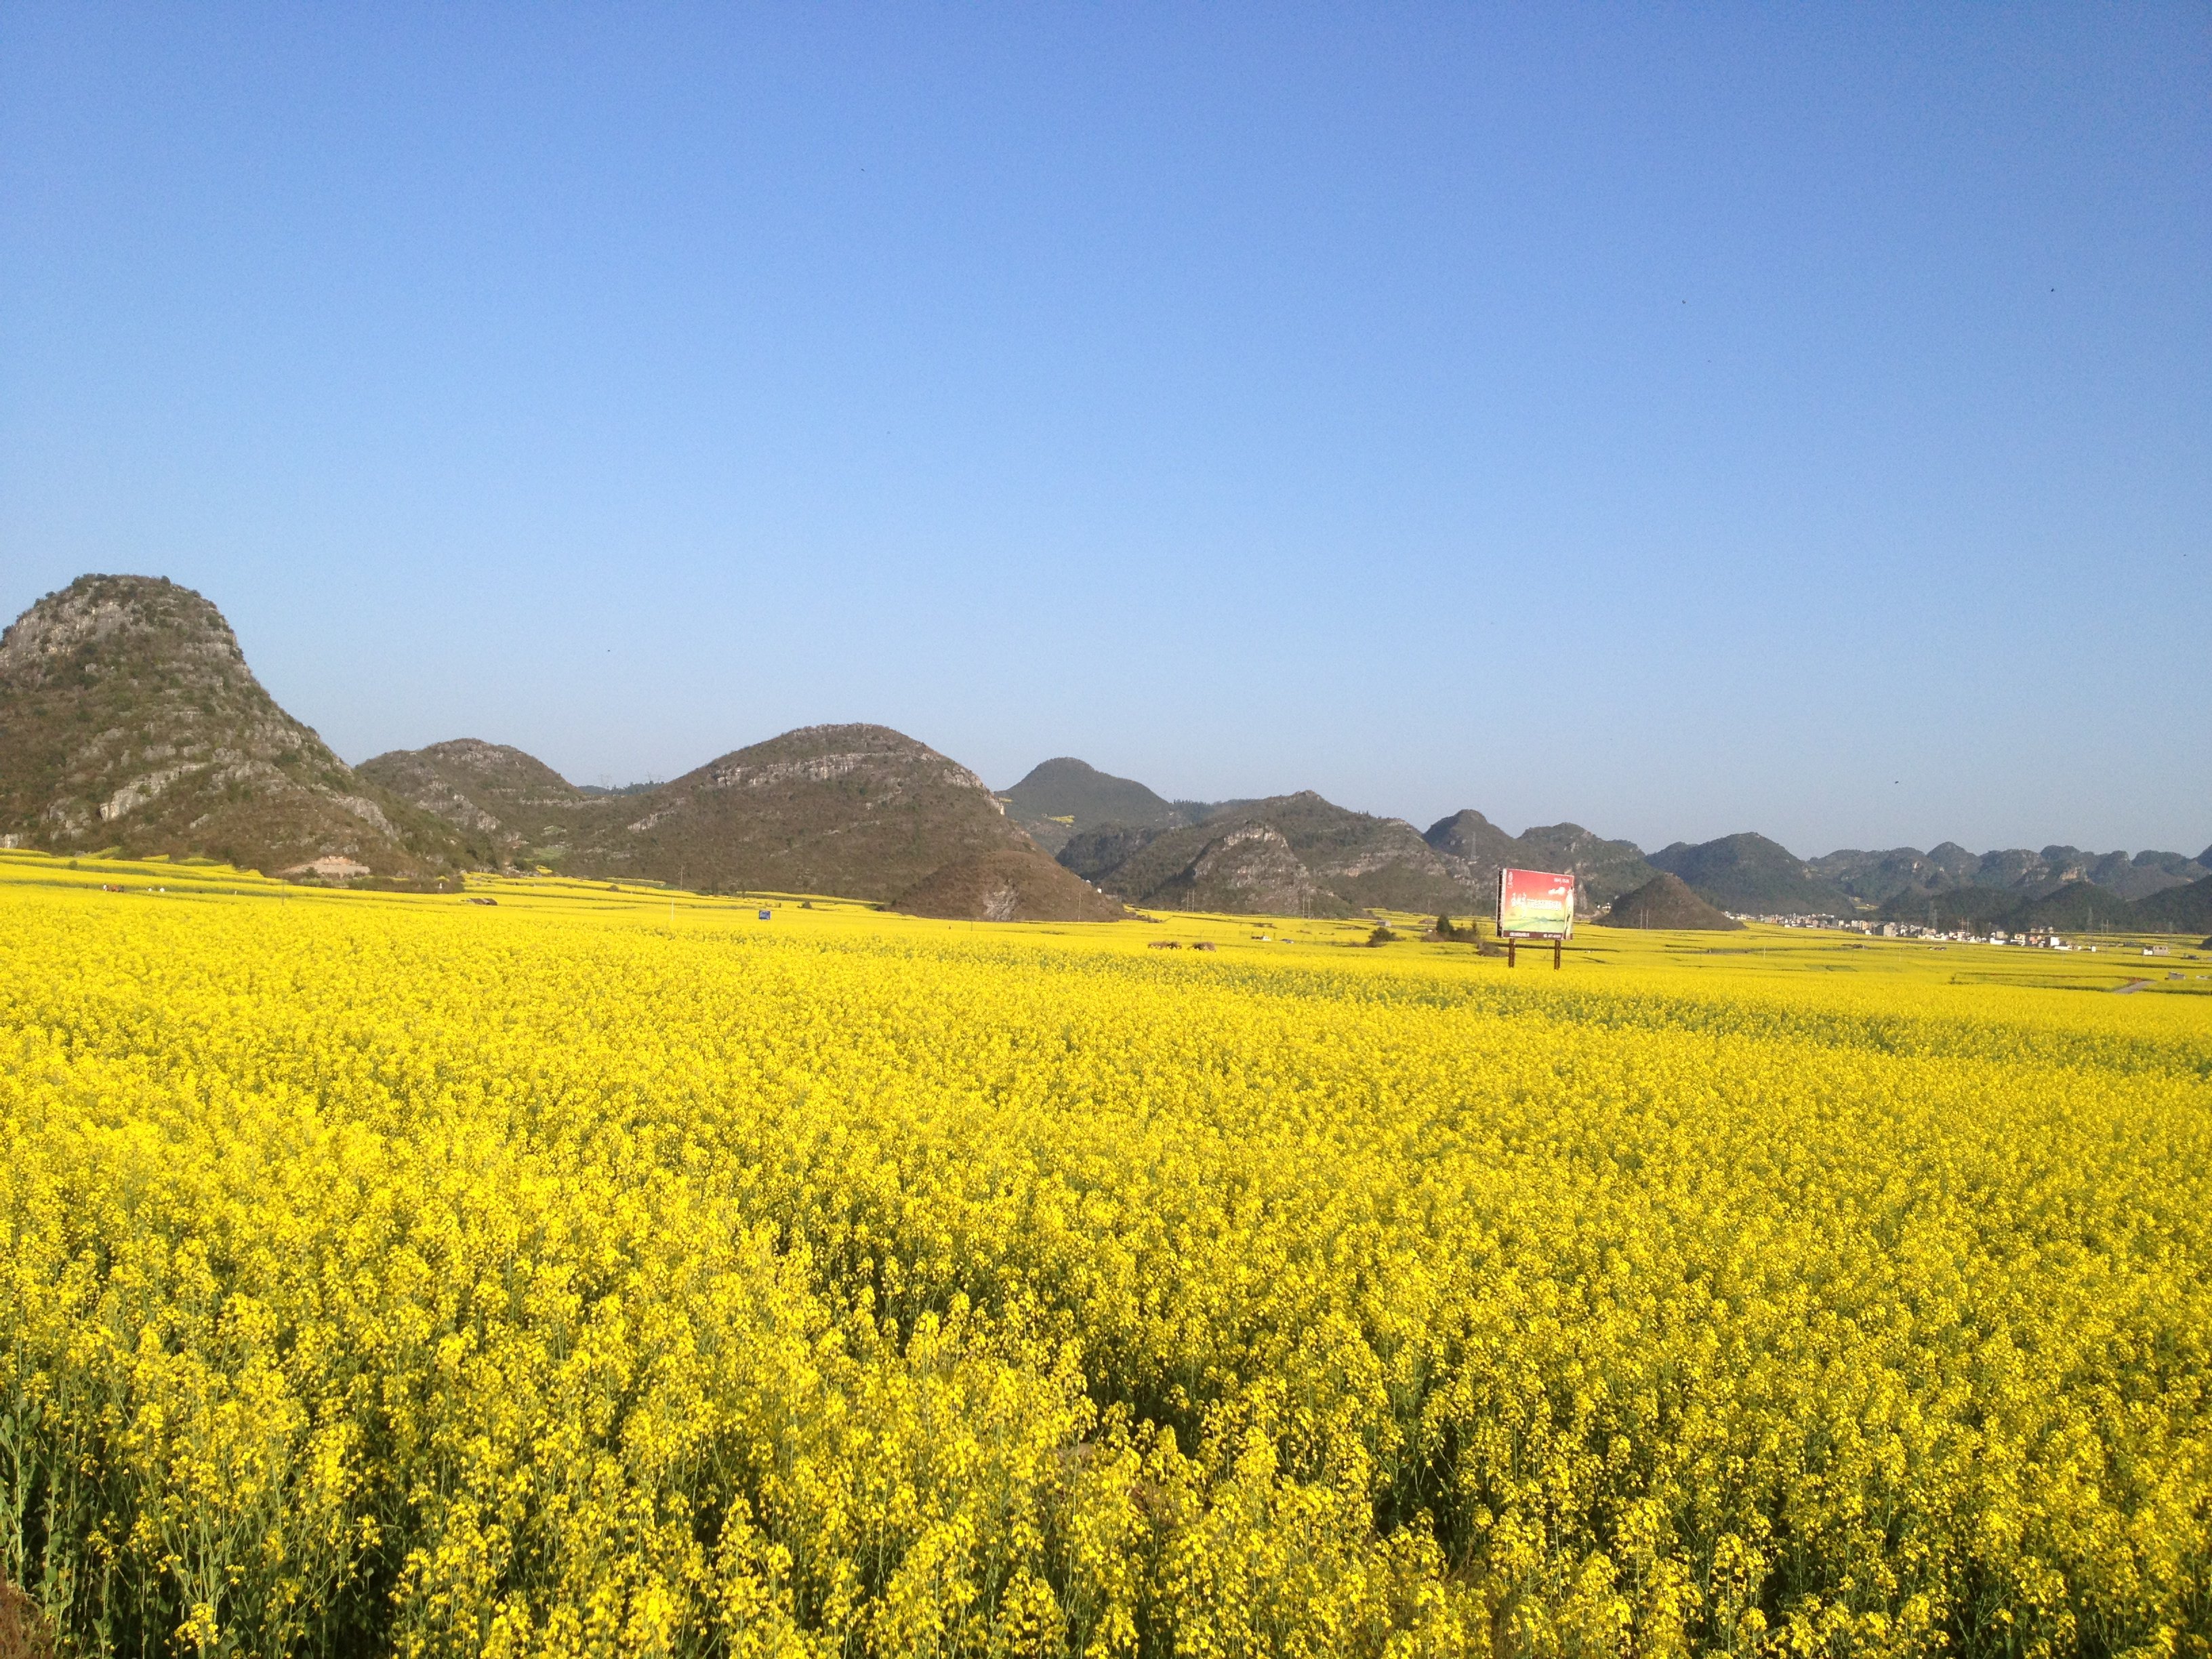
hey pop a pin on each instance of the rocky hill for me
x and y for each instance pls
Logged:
(1012, 884)
(1666, 900)
(2078, 906)
(1292, 854)
(1751, 875)
(1879, 876)
(1904, 875)
(1605, 868)
(2176, 909)
(1478, 849)
(1094, 854)
(2073, 907)
(1950, 908)
(2136, 876)
(130, 719)
(497, 794)
(859, 811)
(1061, 799)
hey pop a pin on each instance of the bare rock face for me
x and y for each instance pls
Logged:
(1251, 870)
(130, 719)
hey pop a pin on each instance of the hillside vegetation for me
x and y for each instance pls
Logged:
(861, 812)
(1291, 855)
(1478, 849)
(520, 806)
(130, 720)
(1059, 799)
(1667, 901)
(1748, 873)
(1012, 884)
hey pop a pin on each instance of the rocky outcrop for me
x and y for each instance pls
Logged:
(1014, 884)
(130, 719)
(1251, 869)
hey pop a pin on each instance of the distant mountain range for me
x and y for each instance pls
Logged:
(1300, 853)
(1752, 875)
(1602, 869)
(130, 720)
(1291, 855)
(1906, 873)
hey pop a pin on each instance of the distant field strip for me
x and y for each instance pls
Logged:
(602, 1273)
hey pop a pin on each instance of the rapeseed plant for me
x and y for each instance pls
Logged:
(382, 1276)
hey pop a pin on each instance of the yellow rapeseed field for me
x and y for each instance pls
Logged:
(608, 1272)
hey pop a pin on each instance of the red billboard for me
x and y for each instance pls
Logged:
(1535, 904)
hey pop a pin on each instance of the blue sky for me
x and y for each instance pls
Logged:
(1681, 420)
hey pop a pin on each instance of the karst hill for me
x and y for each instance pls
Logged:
(1666, 900)
(1478, 849)
(1749, 873)
(858, 811)
(515, 802)
(130, 720)
(1059, 799)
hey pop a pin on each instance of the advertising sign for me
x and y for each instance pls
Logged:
(1535, 904)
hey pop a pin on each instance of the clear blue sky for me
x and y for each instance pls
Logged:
(1678, 419)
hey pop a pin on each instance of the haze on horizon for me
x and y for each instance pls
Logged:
(1680, 422)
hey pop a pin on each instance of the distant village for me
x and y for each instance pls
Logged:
(2036, 940)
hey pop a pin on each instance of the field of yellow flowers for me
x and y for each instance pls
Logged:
(594, 1272)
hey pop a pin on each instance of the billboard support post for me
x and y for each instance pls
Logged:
(1512, 945)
